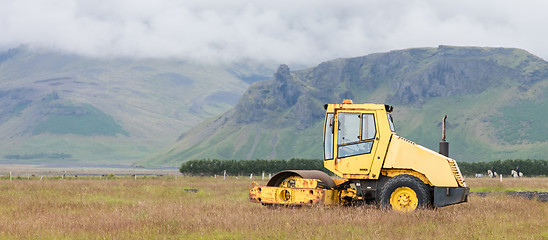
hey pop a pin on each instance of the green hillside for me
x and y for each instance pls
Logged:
(113, 111)
(80, 119)
(495, 99)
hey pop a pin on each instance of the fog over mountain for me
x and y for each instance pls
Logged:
(303, 32)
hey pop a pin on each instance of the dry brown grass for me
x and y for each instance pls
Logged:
(160, 208)
(508, 184)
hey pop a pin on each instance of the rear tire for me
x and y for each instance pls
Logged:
(405, 193)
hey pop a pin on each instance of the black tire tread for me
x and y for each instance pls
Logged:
(277, 179)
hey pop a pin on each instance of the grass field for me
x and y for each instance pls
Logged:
(160, 208)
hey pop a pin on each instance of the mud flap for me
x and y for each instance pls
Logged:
(444, 196)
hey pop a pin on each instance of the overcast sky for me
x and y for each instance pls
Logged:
(293, 32)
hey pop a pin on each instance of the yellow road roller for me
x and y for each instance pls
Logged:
(373, 165)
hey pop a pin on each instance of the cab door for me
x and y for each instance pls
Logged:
(356, 141)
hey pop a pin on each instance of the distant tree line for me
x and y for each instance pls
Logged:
(528, 167)
(38, 155)
(246, 167)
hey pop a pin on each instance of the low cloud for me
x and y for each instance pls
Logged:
(294, 32)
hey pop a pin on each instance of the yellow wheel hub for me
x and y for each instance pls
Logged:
(404, 199)
(285, 195)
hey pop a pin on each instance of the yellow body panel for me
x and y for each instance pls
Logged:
(339, 181)
(404, 154)
(392, 172)
(301, 194)
(390, 153)
(366, 153)
(365, 166)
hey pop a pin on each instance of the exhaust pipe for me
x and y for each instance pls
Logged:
(444, 146)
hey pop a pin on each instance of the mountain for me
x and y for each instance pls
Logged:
(495, 98)
(67, 108)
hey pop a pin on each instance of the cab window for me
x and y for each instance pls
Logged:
(328, 137)
(349, 128)
(368, 126)
(356, 134)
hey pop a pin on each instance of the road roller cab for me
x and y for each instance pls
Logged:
(372, 165)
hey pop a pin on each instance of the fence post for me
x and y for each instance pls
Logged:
(263, 176)
(251, 176)
(224, 175)
(10, 175)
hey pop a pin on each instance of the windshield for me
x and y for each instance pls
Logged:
(391, 122)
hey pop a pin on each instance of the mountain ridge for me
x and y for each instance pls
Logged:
(282, 117)
(109, 110)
